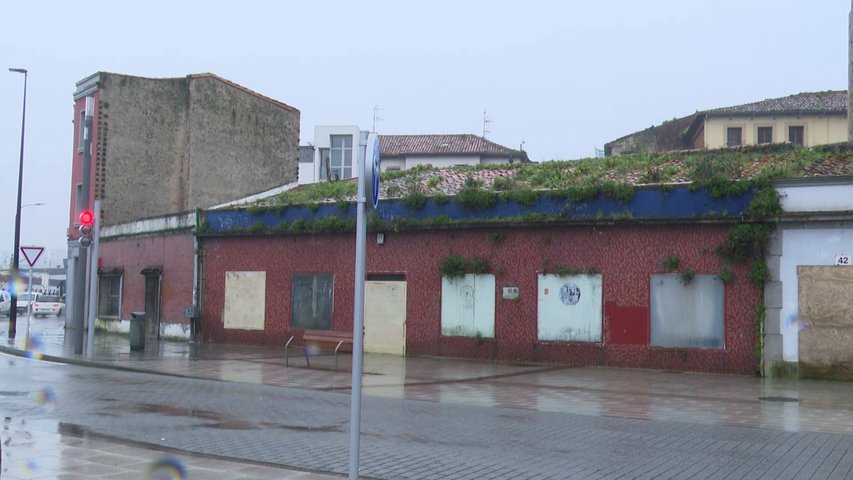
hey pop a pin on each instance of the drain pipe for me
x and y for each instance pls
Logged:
(195, 316)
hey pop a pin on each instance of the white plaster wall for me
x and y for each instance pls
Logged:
(386, 164)
(816, 198)
(322, 134)
(818, 130)
(805, 246)
(442, 161)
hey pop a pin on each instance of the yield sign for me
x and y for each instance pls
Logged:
(32, 254)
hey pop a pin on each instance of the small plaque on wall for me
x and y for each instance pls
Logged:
(844, 260)
(510, 293)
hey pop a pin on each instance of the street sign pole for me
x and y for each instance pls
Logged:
(368, 181)
(80, 267)
(93, 282)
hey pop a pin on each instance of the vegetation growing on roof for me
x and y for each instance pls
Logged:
(725, 172)
(414, 201)
(475, 198)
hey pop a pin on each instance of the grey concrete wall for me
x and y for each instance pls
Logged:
(240, 143)
(173, 145)
(142, 136)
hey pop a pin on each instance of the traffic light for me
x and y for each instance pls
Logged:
(87, 218)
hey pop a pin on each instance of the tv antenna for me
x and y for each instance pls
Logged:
(486, 123)
(376, 110)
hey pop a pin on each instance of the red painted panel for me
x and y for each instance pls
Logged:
(627, 325)
(77, 161)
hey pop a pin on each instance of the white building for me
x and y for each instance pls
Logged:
(336, 149)
(809, 299)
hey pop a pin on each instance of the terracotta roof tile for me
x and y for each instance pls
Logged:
(400, 145)
(829, 102)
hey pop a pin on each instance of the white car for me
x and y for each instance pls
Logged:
(24, 301)
(5, 302)
(48, 305)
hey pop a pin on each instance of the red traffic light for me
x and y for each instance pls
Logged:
(87, 217)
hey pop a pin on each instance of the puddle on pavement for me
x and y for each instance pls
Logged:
(779, 399)
(224, 422)
(13, 394)
(72, 430)
(177, 412)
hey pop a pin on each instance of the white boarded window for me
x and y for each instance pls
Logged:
(245, 300)
(468, 306)
(569, 308)
(687, 316)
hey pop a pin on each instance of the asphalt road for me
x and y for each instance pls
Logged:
(401, 439)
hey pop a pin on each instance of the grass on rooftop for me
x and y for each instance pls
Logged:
(699, 168)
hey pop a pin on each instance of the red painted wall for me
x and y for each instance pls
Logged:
(172, 253)
(625, 256)
(77, 162)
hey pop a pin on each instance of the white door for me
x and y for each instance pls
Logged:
(385, 317)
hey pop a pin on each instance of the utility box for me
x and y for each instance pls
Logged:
(510, 293)
(137, 331)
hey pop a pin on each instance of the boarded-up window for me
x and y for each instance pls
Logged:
(312, 301)
(109, 295)
(796, 135)
(687, 315)
(468, 306)
(569, 308)
(245, 295)
(734, 137)
(765, 135)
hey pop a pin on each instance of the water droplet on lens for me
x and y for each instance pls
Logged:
(35, 347)
(167, 468)
(31, 466)
(46, 398)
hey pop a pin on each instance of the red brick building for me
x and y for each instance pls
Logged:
(640, 311)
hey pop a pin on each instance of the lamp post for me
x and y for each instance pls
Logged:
(13, 307)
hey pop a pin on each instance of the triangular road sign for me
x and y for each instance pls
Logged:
(32, 254)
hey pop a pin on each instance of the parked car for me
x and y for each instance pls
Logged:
(5, 302)
(48, 305)
(24, 301)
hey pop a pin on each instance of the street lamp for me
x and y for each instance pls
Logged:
(13, 307)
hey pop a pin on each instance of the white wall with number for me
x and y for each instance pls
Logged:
(468, 306)
(569, 308)
(807, 246)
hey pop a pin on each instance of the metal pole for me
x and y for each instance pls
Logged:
(30, 294)
(82, 256)
(358, 320)
(13, 306)
(93, 282)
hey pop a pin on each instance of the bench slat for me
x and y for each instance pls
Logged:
(325, 340)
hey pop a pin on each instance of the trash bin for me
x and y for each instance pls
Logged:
(137, 331)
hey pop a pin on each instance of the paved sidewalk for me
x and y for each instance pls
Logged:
(691, 398)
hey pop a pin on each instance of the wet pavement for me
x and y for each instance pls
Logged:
(708, 399)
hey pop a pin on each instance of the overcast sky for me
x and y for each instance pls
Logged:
(564, 77)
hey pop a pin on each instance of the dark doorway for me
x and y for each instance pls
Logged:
(153, 276)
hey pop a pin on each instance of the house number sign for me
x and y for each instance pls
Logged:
(844, 260)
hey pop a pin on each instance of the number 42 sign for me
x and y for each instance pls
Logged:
(845, 260)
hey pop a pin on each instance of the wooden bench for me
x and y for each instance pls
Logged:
(322, 340)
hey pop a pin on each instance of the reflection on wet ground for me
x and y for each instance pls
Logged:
(49, 450)
(790, 405)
